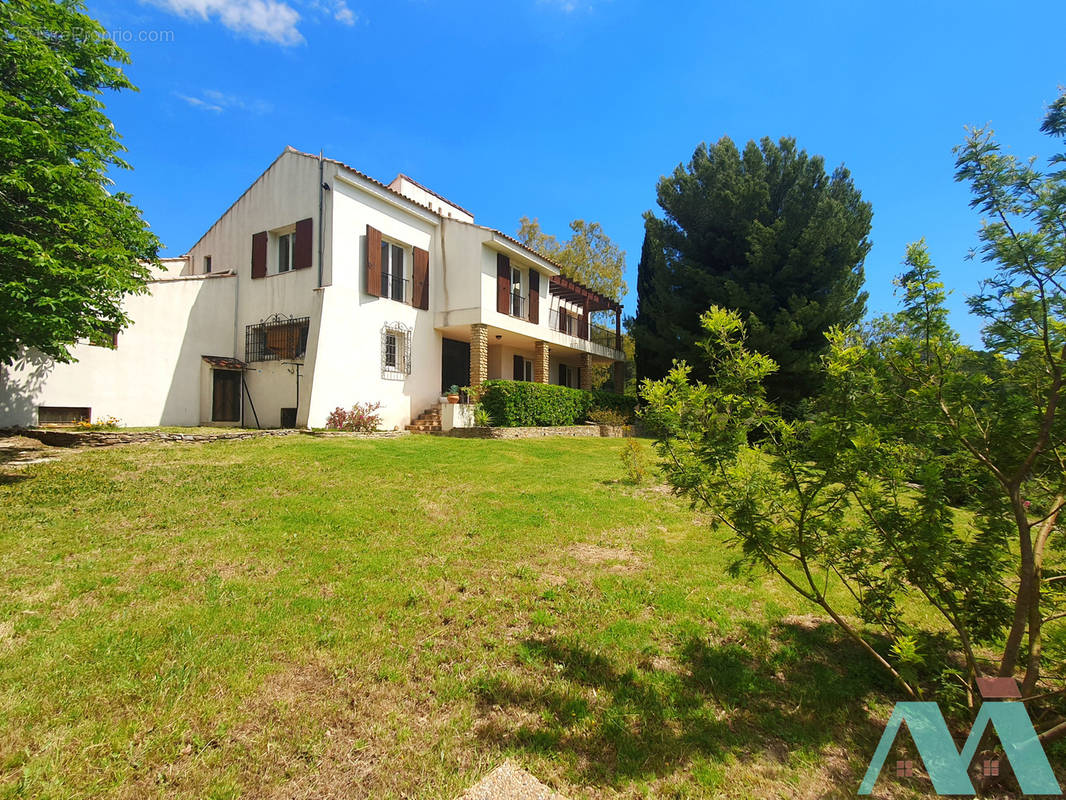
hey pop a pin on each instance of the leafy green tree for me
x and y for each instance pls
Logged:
(766, 232)
(69, 249)
(588, 256)
(849, 505)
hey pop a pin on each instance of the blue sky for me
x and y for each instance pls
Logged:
(564, 109)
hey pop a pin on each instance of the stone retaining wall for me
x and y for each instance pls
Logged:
(68, 438)
(609, 431)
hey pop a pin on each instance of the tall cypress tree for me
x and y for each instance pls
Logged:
(651, 331)
(766, 232)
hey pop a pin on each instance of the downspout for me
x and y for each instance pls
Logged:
(321, 201)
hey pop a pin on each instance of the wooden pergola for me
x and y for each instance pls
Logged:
(573, 292)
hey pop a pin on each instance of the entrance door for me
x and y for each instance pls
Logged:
(226, 395)
(454, 364)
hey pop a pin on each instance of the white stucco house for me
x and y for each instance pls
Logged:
(321, 287)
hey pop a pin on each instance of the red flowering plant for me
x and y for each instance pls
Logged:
(360, 417)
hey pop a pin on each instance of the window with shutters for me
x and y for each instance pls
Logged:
(519, 302)
(286, 246)
(569, 376)
(523, 369)
(395, 351)
(394, 281)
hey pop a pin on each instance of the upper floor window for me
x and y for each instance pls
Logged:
(207, 264)
(393, 272)
(286, 246)
(518, 302)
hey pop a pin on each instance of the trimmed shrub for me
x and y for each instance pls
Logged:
(605, 416)
(623, 404)
(513, 404)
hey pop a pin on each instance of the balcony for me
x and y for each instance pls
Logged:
(604, 337)
(518, 306)
(395, 287)
(566, 322)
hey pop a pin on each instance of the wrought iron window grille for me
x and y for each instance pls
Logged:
(395, 351)
(276, 338)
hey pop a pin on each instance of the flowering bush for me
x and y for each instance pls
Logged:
(101, 424)
(360, 417)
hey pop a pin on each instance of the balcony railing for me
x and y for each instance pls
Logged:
(603, 336)
(563, 322)
(519, 306)
(394, 287)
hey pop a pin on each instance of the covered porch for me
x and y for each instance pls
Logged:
(473, 354)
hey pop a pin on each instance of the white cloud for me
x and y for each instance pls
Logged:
(268, 20)
(343, 14)
(335, 9)
(196, 102)
(216, 101)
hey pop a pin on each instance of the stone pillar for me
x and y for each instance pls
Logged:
(541, 371)
(618, 368)
(479, 354)
(586, 371)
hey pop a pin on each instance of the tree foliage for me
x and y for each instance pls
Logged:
(766, 232)
(851, 505)
(69, 249)
(588, 256)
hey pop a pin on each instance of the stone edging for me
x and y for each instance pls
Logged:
(67, 438)
(573, 431)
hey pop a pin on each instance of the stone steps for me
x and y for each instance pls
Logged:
(426, 422)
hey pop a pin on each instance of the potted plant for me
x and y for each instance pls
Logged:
(453, 394)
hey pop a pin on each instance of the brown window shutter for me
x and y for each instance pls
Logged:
(259, 254)
(420, 273)
(583, 323)
(373, 261)
(503, 283)
(301, 256)
(534, 296)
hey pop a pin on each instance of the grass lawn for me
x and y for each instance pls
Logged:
(301, 617)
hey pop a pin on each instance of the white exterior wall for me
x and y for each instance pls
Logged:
(408, 188)
(347, 360)
(286, 193)
(152, 378)
(157, 376)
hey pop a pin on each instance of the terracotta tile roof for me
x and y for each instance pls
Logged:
(225, 362)
(364, 176)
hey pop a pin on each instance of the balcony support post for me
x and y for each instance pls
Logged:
(586, 371)
(479, 354)
(541, 371)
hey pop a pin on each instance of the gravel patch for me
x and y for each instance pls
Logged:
(510, 782)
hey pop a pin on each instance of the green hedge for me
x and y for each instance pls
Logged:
(515, 404)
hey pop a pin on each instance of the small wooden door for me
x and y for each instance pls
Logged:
(226, 396)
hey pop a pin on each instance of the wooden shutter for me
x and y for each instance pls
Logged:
(534, 296)
(373, 261)
(420, 296)
(503, 283)
(259, 254)
(301, 255)
(583, 323)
